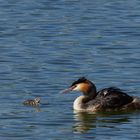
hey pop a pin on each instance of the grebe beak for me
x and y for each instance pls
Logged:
(68, 89)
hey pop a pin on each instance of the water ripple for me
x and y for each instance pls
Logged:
(46, 45)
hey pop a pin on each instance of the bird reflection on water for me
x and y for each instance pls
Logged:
(84, 121)
(87, 121)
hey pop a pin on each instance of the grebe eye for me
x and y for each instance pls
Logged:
(75, 86)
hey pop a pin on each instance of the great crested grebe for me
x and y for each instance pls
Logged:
(108, 99)
(32, 102)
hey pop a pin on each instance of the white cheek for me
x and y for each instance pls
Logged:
(77, 88)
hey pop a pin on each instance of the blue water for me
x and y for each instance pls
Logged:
(47, 44)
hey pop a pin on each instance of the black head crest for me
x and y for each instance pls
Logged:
(80, 80)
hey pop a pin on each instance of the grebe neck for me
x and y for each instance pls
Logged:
(90, 93)
(80, 102)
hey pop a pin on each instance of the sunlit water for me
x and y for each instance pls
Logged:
(46, 45)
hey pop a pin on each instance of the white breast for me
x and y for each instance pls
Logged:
(80, 106)
(77, 105)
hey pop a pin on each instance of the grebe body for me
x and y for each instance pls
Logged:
(107, 99)
(32, 102)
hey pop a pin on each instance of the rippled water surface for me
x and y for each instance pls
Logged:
(47, 44)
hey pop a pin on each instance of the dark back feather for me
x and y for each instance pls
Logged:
(113, 98)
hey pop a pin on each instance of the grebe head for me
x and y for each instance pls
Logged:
(83, 85)
(37, 100)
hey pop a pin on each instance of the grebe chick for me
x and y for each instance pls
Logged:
(108, 99)
(32, 102)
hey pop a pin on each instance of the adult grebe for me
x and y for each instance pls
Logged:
(108, 99)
